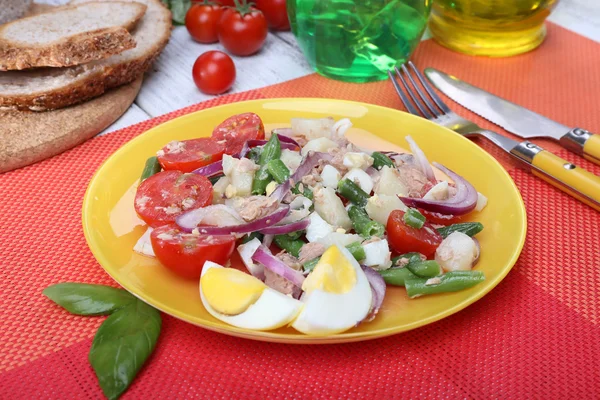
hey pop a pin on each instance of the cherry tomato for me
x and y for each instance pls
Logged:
(202, 21)
(404, 239)
(214, 72)
(237, 130)
(189, 155)
(276, 13)
(228, 3)
(243, 30)
(166, 195)
(186, 253)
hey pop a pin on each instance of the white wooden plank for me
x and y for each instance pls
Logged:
(170, 86)
(579, 16)
(133, 115)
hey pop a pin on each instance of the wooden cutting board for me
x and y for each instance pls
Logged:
(29, 137)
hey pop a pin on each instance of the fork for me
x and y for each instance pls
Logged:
(562, 174)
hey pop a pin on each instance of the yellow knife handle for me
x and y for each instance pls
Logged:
(584, 143)
(577, 182)
(591, 149)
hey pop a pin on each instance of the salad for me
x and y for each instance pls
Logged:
(320, 225)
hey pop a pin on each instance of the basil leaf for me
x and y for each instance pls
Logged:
(178, 9)
(86, 299)
(122, 344)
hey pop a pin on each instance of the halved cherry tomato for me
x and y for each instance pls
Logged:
(186, 253)
(189, 155)
(404, 239)
(441, 219)
(164, 196)
(237, 130)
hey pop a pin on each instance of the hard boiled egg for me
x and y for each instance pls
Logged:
(337, 295)
(242, 300)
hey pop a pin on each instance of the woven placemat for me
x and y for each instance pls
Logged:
(534, 336)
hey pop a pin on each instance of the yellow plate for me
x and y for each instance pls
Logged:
(111, 226)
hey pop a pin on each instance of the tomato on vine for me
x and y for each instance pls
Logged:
(243, 29)
(276, 13)
(202, 21)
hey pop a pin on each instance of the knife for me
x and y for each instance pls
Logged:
(514, 118)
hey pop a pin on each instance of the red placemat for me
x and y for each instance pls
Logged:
(535, 336)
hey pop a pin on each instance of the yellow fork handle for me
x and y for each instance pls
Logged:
(591, 149)
(577, 182)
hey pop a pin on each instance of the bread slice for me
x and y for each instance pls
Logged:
(69, 36)
(11, 9)
(52, 88)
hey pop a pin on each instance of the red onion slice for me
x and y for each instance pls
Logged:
(289, 228)
(421, 160)
(209, 170)
(287, 139)
(268, 240)
(216, 213)
(272, 263)
(378, 288)
(246, 251)
(463, 202)
(310, 161)
(253, 226)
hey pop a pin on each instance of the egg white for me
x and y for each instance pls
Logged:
(329, 313)
(272, 310)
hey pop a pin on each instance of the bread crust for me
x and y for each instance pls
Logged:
(99, 79)
(72, 50)
(77, 49)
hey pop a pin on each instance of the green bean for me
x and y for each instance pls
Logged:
(363, 225)
(214, 179)
(270, 151)
(152, 167)
(380, 160)
(357, 251)
(253, 235)
(261, 179)
(278, 170)
(411, 257)
(254, 154)
(292, 246)
(397, 276)
(424, 269)
(306, 192)
(311, 264)
(468, 228)
(450, 282)
(413, 218)
(296, 235)
(352, 192)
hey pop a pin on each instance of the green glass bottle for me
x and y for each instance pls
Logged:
(357, 40)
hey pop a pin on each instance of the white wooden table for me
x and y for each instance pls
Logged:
(168, 86)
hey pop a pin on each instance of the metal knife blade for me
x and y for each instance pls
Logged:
(512, 117)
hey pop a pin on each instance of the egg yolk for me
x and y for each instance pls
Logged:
(230, 291)
(333, 274)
